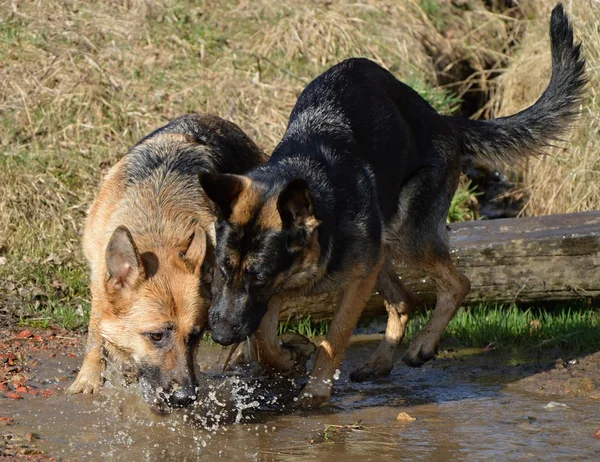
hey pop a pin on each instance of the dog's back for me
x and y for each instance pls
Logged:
(154, 189)
(397, 133)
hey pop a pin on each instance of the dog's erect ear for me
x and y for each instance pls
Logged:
(123, 260)
(296, 207)
(193, 252)
(222, 189)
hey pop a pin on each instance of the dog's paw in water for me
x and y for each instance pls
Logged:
(89, 379)
(293, 353)
(421, 350)
(316, 393)
(371, 370)
(300, 348)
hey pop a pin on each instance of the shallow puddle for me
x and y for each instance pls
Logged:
(464, 408)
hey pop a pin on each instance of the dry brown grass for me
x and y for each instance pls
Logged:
(568, 179)
(81, 81)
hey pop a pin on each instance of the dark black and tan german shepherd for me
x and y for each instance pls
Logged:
(365, 173)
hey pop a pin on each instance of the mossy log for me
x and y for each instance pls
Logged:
(526, 260)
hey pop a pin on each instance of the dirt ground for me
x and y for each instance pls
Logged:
(20, 354)
(23, 354)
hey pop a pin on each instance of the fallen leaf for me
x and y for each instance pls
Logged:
(404, 417)
(25, 334)
(21, 389)
(12, 395)
(597, 434)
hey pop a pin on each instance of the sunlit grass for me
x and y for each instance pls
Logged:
(503, 327)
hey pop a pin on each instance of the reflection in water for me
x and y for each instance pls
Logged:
(462, 412)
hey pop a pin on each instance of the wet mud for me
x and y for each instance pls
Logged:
(469, 405)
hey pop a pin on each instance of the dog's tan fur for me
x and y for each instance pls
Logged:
(171, 226)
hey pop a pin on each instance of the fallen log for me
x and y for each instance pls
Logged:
(534, 259)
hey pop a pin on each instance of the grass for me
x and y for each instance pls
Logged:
(573, 329)
(435, 11)
(568, 179)
(464, 203)
(83, 81)
(304, 326)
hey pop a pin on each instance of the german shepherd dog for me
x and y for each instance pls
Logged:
(364, 173)
(147, 238)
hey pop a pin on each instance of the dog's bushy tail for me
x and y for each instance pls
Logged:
(508, 139)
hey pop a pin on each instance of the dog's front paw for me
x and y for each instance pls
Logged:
(89, 379)
(373, 369)
(420, 351)
(316, 393)
(300, 349)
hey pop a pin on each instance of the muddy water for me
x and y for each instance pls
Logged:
(465, 408)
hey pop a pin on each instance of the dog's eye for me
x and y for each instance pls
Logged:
(259, 279)
(155, 336)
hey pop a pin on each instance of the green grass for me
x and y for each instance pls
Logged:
(464, 203)
(435, 11)
(572, 328)
(442, 100)
(304, 326)
(83, 81)
(575, 329)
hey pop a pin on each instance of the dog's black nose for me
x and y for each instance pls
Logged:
(182, 397)
(221, 337)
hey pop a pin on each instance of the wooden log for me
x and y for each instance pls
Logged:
(534, 259)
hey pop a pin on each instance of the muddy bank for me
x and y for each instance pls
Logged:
(467, 404)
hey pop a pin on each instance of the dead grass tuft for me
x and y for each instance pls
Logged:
(82, 81)
(568, 178)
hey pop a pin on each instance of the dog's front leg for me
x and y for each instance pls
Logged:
(268, 350)
(331, 351)
(89, 378)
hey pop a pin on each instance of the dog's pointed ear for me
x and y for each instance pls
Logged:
(296, 206)
(223, 189)
(193, 251)
(123, 261)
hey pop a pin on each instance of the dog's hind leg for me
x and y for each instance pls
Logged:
(452, 288)
(421, 240)
(399, 303)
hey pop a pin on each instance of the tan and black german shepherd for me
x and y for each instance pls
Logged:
(146, 238)
(365, 173)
